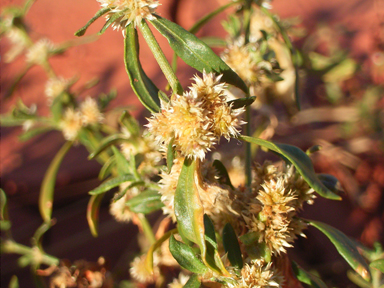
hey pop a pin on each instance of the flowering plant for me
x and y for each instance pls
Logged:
(217, 232)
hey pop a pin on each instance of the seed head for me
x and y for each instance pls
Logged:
(131, 11)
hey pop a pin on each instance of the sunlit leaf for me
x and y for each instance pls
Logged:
(99, 13)
(242, 102)
(378, 264)
(195, 52)
(146, 91)
(48, 184)
(232, 247)
(112, 183)
(93, 213)
(115, 16)
(345, 246)
(146, 202)
(188, 207)
(186, 257)
(300, 160)
(306, 277)
(123, 166)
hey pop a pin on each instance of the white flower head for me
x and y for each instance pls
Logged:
(54, 87)
(39, 52)
(71, 124)
(131, 11)
(90, 113)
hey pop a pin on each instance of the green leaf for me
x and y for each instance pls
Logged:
(115, 16)
(211, 254)
(201, 22)
(193, 282)
(146, 202)
(5, 224)
(232, 247)
(222, 173)
(93, 213)
(306, 277)
(107, 167)
(214, 42)
(43, 228)
(195, 52)
(34, 132)
(300, 160)
(105, 143)
(98, 14)
(242, 102)
(330, 182)
(146, 91)
(188, 207)
(345, 246)
(123, 166)
(378, 264)
(112, 183)
(121, 194)
(186, 257)
(48, 184)
(14, 283)
(129, 122)
(156, 245)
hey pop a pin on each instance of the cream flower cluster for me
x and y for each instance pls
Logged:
(73, 120)
(54, 87)
(197, 119)
(39, 52)
(132, 11)
(257, 274)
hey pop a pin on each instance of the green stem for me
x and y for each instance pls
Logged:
(147, 229)
(10, 246)
(248, 151)
(160, 58)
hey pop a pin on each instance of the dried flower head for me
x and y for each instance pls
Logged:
(54, 87)
(71, 124)
(258, 275)
(39, 52)
(90, 113)
(197, 119)
(139, 270)
(240, 60)
(130, 11)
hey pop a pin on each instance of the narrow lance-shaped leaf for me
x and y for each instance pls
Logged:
(123, 166)
(146, 91)
(34, 132)
(195, 52)
(99, 13)
(193, 282)
(222, 173)
(146, 202)
(48, 185)
(186, 257)
(188, 207)
(112, 183)
(345, 246)
(300, 160)
(232, 247)
(211, 255)
(105, 143)
(5, 224)
(306, 277)
(107, 168)
(242, 102)
(93, 213)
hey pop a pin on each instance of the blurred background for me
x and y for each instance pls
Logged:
(341, 91)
